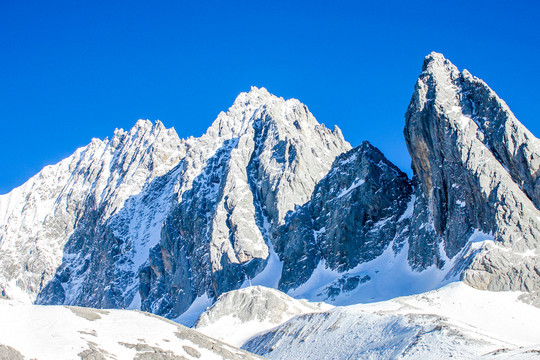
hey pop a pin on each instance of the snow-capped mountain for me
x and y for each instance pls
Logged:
(268, 196)
(272, 154)
(57, 219)
(146, 220)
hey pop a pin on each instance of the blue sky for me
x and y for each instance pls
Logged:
(74, 70)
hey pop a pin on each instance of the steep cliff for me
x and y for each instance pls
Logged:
(476, 169)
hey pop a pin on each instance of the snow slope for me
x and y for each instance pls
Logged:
(455, 320)
(59, 332)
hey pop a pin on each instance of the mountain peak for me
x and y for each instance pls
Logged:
(255, 96)
(470, 155)
(434, 59)
(140, 129)
(439, 67)
(142, 124)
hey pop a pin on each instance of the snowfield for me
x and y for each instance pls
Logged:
(454, 321)
(60, 332)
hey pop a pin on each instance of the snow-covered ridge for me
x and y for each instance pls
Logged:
(454, 321)
(37, 219)
(238, 315)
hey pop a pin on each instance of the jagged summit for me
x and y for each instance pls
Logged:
(257, 162)
(434, 61)
(477, 170)
(254, 94)
(258, 106)
(103, 227)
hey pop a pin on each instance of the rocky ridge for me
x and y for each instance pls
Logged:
(46, 223)
(239, 314)
(455, 321)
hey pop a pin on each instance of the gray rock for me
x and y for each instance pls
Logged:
(217, 235)
(9, 353)
(255, 303)
(475, 169)
(351, 218)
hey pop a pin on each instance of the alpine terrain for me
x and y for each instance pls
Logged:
(269, 232)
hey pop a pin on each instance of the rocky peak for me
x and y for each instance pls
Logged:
(84, 190)
(476, 171)
(258, 107)
(258, 161)
(351, 218)
(467, 103)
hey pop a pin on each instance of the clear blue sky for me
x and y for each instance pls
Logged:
(73, 70)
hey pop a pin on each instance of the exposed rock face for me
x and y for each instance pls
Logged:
(351, 218)
(271, 155)
(476, 169)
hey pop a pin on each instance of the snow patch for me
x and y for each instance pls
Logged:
(354, 185)
(409, 210)
(390, 276)
(58, 332)
(478, 239)
(453, 321)
(190, 316)
(271, 275)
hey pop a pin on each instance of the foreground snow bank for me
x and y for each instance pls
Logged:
(59, 332)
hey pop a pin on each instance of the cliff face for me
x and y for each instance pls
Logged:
(55, 237)
(476, 169)
(351, 219)
(217, 236)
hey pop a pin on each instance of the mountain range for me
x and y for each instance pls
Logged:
(269, 206)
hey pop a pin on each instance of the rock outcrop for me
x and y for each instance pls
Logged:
(239, 314)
